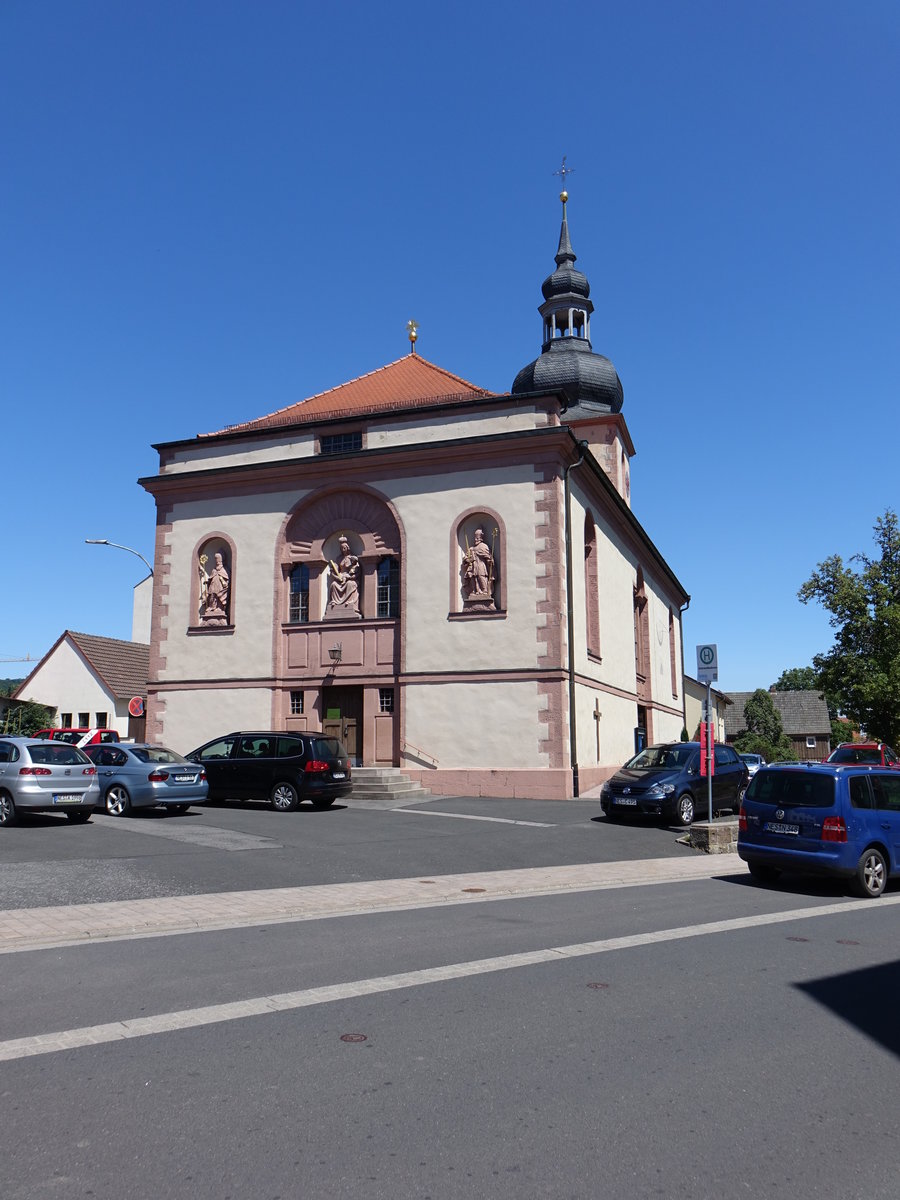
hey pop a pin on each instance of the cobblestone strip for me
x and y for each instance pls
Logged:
(36, 928)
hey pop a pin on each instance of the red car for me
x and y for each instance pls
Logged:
(866, 754)
(78, 737)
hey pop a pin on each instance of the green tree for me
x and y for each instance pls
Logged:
(798, 679)
(764, 733)
(862, 668)
(26, 719)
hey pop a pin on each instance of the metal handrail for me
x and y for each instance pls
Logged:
(419, 752)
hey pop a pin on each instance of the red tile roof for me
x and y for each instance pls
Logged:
(410, 382)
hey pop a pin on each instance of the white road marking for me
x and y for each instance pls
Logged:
(193, 1018)
(212, 837)
(430, 812)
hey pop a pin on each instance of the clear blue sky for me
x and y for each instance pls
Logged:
(212, 210)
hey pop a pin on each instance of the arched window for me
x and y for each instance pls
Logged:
(388, 587)
(299, 601)
(591, 587)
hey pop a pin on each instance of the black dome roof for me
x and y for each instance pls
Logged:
(569, 365)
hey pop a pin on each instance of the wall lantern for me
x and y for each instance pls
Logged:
(335, 653)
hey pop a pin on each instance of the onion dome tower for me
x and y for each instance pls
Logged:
(567, 362)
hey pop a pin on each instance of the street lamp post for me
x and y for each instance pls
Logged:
(106, 542)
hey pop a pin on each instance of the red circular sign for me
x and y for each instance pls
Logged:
(136, 706)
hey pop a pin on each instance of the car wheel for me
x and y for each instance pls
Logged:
(284, 797)
(684, 809)
(323, 802)
(79, 816)
(763, 873)
(871, 874)
(739, 798)
(118, 802)
(7, 809)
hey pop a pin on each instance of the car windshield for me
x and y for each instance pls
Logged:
(752, 759)
(856, 754)
(156, 754)
(792, 789)
(68, 735)
(663, 756)
(57, 754)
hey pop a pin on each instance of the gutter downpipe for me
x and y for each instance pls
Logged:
(681, 613)
(570, 623)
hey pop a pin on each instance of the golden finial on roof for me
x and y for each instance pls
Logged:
(412, 331)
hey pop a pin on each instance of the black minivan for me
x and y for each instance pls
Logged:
(665, 781)
(283, 768)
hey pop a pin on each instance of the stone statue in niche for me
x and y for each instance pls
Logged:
(214, 589)
(343, 589)
(478, 573)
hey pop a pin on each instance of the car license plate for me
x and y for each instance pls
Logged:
(67, 798)
(338, 775)
(185, 778)
(780, 827)
(625, 800)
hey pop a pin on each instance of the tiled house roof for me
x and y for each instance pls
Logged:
(803, 714)
(410, 382)
(123, 666)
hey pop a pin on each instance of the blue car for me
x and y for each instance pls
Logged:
(823, 819)
(143, 776)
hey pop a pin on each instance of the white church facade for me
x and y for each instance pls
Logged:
(450, 580)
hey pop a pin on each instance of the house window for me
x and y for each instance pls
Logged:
(65, 720)
(296, 704)
(388, 587)
(386, 700)
(84, 720)
(299, 606)
(100, 720)
(340, 443)
(810, 743)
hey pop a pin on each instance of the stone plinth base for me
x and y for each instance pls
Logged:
(715, 837)
(340, 612)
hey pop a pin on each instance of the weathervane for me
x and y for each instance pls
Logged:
(412, 330)
(564, 171)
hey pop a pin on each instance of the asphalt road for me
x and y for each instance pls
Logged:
(705, 1038)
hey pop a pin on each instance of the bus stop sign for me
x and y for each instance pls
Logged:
(707, 664)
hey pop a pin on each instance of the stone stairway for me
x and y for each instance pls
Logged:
(385, 787)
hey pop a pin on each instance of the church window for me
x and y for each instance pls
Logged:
(388, 587)
(591, 587)
(340, 443)
(672, 656)
(299, 604)
(386, 700)
(296, 704)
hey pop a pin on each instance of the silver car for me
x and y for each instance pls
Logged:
(39, 776)
(140, 775)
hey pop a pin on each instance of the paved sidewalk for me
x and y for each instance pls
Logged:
(66, 925)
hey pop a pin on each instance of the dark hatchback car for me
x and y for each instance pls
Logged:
(283, 768)
(823, 819)
(665, 781)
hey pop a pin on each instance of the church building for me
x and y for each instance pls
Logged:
(450, 580)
